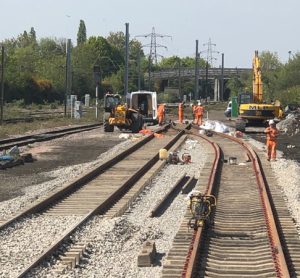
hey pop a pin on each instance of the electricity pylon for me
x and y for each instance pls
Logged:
(153, 54)
(153, 44)
(209, 52)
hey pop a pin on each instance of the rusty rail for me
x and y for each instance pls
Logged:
(195, 244)
(278, 257)
(101, 208)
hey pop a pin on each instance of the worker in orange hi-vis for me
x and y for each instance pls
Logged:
(272, 133)
(180, 111)
(199, 111)
(161, 113)
(194, 106)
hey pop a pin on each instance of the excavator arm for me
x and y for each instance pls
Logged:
(257, 83)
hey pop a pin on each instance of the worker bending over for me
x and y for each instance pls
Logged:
(272, 133)
(198, 112)
(161, 113)
(180, 111)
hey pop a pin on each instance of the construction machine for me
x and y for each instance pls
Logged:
(252, 108)
(146, 103)
(118, 114)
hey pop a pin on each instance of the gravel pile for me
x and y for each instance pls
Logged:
(290, 125)
(116, 243)
(28, 239)
(60, 177)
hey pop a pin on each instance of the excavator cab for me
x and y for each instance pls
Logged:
(245, 97)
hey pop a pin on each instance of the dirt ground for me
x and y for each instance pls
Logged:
(51, 155)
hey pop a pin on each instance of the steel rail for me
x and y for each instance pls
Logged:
(279, 259)
(28, 139)
(275, 243)
(197, 236)
(73, 185)
(101, 208)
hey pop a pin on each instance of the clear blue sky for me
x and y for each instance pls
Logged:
(237, 27)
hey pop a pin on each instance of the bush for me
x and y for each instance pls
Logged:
(20, 103)
(53, 105)
(291, 95)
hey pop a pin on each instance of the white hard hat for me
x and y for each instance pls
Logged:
(271, 122)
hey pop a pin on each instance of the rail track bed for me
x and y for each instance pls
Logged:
(249, 235)
(94, 193)
(50, 135)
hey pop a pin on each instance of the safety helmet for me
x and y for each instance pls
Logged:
(271, 122)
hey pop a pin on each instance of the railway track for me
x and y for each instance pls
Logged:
(38, 116)
(50, 135)
(252, 233)
(98, 192)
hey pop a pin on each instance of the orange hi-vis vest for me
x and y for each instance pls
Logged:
(272, 133)
(161, 109)
(199, 110)
(180, 107)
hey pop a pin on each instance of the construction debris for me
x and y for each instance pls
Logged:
(13, 158)
(147, 256)
(291, 124)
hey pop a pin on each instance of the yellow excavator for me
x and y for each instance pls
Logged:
(252, 108)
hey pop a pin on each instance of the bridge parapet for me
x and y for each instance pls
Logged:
(213, 73)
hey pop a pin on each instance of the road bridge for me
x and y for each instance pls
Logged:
(212, 73)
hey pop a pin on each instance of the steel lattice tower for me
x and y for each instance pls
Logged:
(209, 52)
(153, 44)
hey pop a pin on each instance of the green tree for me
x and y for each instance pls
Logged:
(116, 82)
(81, 34)
(32, 36)
(83, 59)
(107, 56)
(26, 39)
(117, 39)
(186, 62)
(289, 75)
(270, 67)
(290, 95)
(51, 62)
(288, 81)
(236, 85)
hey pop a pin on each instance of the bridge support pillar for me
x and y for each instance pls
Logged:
(217, 90)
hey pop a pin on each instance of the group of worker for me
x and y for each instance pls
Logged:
(198, 112)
